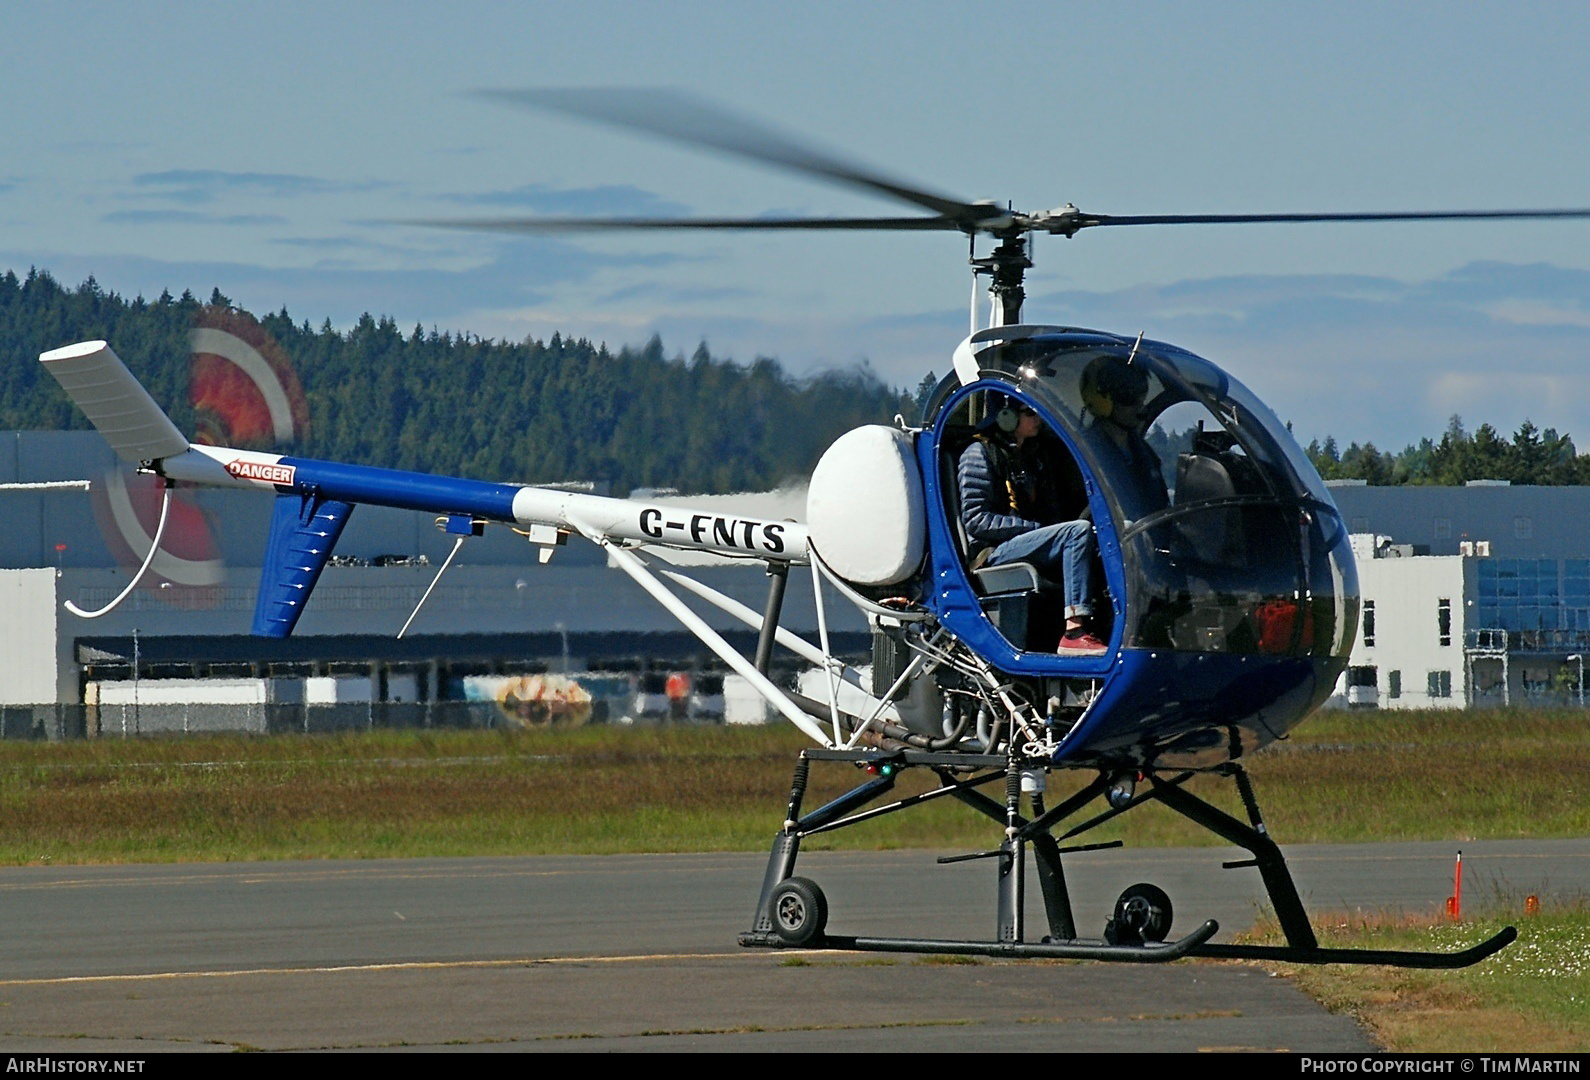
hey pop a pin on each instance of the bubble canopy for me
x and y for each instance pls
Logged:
(1230, 541)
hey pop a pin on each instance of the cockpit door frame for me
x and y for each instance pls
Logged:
(951, 594)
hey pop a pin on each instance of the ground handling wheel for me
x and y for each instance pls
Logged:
(1142, 915)
(799, 910)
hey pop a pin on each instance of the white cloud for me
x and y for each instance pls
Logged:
(1537, 313)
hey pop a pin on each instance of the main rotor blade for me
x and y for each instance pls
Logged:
(571, 225)
(1090, 220)
(678, 116)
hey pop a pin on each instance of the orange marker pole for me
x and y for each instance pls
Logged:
(1457, 888)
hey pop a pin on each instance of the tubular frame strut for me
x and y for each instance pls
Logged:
(1010, 858)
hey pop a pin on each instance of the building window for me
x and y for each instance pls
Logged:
(1394, 685)
(1369, 623)
(1537, 685)
(1523, 528)
(1361, 688)
(1440, 684)
(1442, 528)
(1443, 621)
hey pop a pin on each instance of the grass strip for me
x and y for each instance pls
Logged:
(1533, 996)
(1344, 777)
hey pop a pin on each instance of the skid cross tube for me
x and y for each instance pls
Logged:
(1116, 811)
(1041, 824)
(1267, 855)
(950, 788)
(1302, 945)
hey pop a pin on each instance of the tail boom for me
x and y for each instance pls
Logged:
(315, 498)
(515, 504)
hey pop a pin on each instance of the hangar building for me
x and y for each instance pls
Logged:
(1474, 595)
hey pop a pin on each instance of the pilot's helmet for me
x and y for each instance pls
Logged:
(1109, 381)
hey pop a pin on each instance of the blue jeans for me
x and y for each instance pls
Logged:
(1062, 552)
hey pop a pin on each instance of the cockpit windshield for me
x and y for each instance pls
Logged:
(1168, 428)
(1227, 530)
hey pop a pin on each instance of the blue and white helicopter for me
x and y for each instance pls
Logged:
(1230, 596)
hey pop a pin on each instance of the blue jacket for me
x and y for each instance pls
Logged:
(986, 510)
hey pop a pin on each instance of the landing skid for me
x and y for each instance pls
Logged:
(1393, 958)
(792, 911)
(1081, 949)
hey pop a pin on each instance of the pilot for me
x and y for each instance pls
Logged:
(1114, 390)
(1019, 505)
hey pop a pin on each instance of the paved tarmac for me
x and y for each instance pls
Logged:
(637, 953)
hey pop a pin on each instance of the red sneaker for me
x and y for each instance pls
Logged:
(1081, 643)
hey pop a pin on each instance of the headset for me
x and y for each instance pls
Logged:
(1111, 380)
(1007, 417)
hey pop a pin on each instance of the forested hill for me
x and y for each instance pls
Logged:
(1532, 456)
(454, 403)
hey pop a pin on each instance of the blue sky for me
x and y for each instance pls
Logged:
(269, 149)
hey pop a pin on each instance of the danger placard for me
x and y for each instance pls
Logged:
(262, 471)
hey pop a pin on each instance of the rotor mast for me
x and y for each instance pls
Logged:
(1007, 266)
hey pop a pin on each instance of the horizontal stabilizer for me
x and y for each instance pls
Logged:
(304, 530)
(95, 378)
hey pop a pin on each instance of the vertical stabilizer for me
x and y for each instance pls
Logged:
(304, 530)
(95, 378)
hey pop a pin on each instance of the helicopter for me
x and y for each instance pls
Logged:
(1228, 596)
